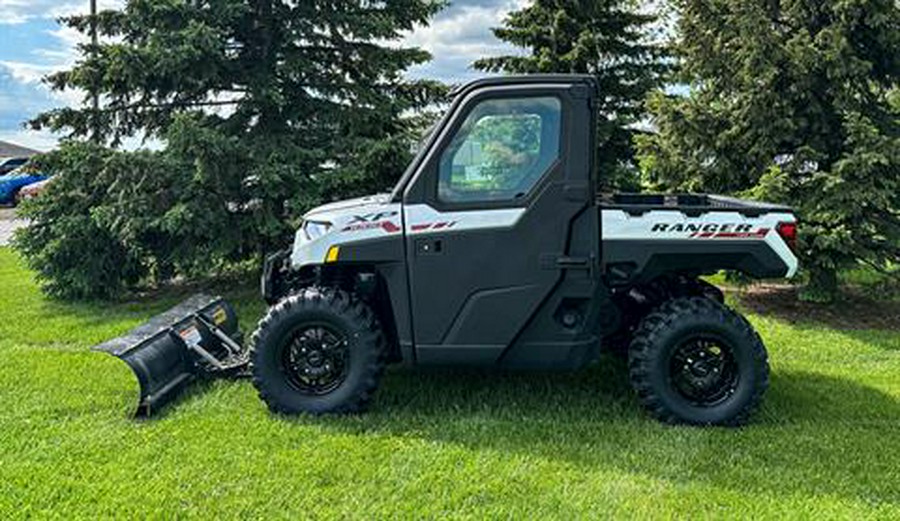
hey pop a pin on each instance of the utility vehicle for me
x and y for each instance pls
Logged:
(496, 250)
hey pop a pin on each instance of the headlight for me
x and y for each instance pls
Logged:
(313, 229)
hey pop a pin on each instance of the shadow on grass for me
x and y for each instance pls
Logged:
(815, 434)
(189, 397)
(854, 310)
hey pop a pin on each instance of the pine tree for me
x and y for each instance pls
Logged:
(791, 101)
(610, 39)
(264, 107)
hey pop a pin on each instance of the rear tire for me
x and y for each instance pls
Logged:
(636, 305)
(697, 362)
(319, 351)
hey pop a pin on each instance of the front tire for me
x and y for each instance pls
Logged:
(697, 362)
(320, 351)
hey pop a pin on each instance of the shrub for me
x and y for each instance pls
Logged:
(69, 243)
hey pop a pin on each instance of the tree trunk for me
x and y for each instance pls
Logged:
(822, 286)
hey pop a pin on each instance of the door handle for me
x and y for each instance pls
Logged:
(573, 263)
(551, 261)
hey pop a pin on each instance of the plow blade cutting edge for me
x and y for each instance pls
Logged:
(197, 338)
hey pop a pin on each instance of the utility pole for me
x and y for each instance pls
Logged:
(95, 113)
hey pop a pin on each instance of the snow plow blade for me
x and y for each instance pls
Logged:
(198, 338)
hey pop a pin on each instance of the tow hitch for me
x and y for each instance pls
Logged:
(198, 338)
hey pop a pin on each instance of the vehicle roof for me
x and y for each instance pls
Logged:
(6, 160)
(522, 79)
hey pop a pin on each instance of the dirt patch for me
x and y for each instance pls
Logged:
(853, 311)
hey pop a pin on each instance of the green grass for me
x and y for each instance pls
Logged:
(436, 444)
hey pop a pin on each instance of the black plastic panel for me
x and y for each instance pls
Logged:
(637, 261)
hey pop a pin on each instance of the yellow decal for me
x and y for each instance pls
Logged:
(332, 254)
(220, 316)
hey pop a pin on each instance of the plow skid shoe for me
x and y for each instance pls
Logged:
(197, 338)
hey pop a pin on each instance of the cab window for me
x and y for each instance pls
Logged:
(502, 150)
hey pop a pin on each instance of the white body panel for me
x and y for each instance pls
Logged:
(713, 226)
(350, 221)
(376, 217)
(423, 219)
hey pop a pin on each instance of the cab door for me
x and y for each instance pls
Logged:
(489, 218)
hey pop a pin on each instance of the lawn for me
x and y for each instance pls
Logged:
(437, 444)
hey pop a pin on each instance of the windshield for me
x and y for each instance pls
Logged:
(421, 150)
(425, 137)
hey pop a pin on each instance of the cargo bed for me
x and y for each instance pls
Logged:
(690, 204)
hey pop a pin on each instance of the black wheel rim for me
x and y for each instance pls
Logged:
(315, 359)
(703, 371)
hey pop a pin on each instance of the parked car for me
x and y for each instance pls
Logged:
(31, 191)
(10, 184)
(12, 163)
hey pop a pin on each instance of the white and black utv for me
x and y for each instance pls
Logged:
(496, 250)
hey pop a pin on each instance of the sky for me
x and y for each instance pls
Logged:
(33, 44)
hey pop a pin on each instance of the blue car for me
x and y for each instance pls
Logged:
(10, 184)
